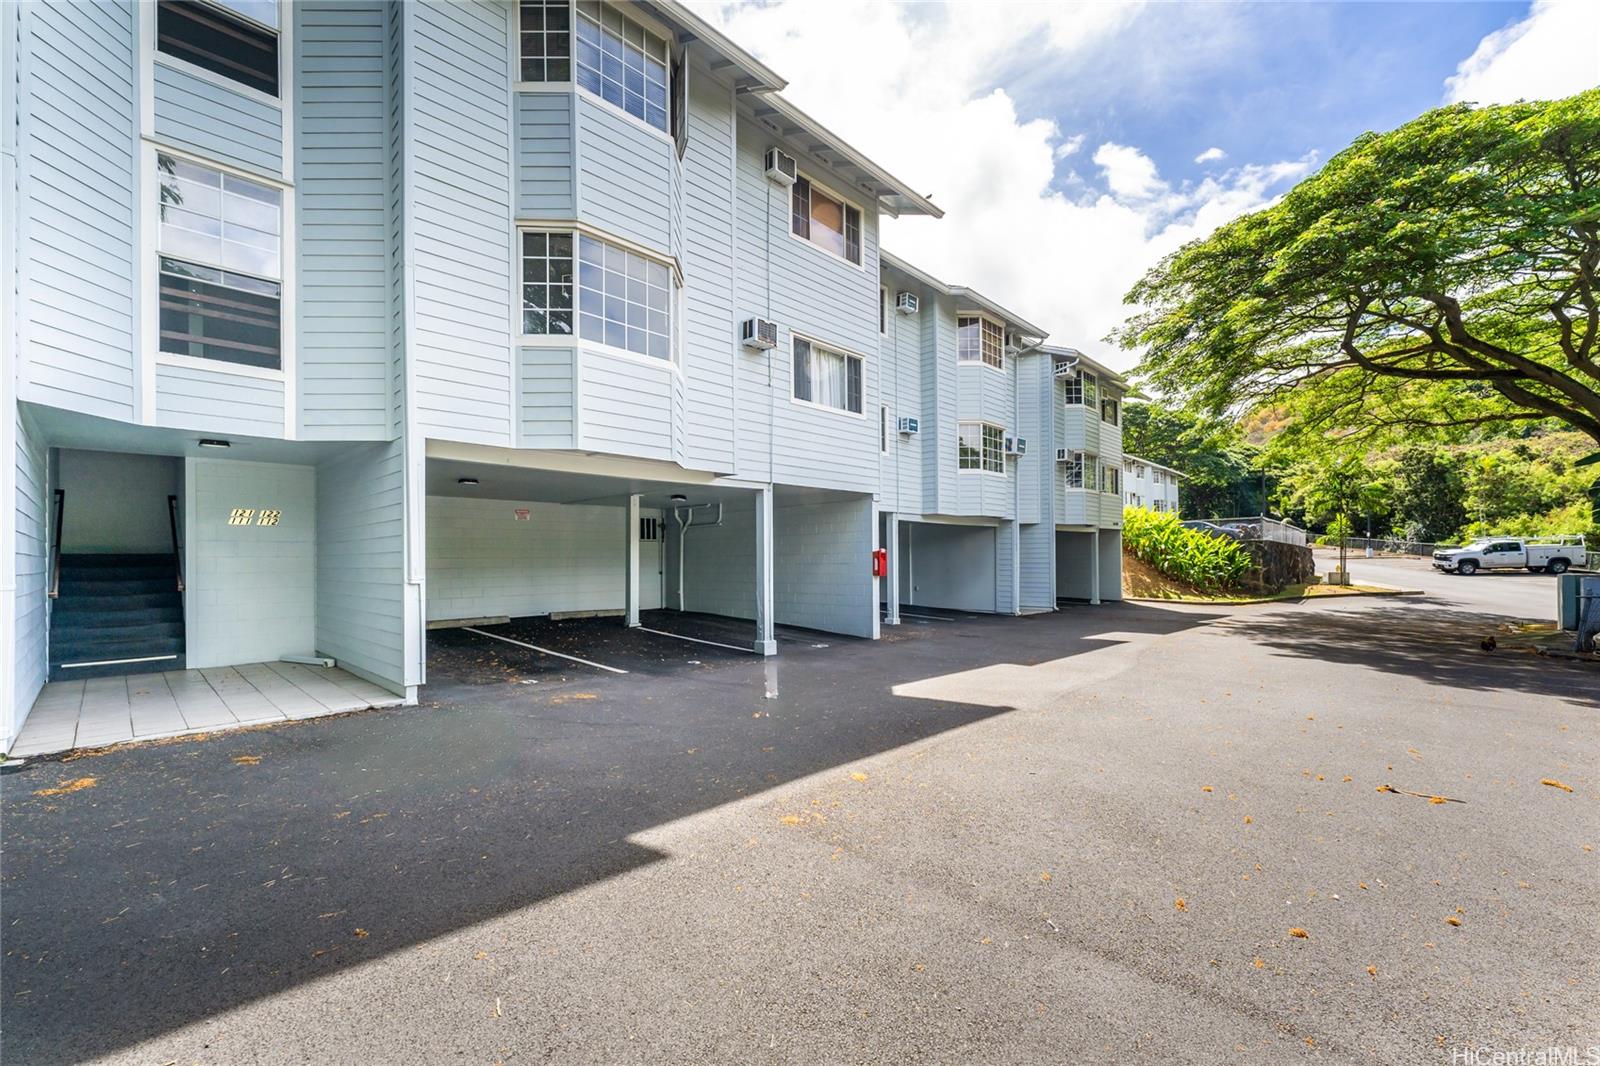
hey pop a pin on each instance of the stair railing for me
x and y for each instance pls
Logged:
(177, 549)
(55, 545)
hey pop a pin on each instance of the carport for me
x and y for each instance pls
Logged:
(534, 540)
(1088, 564)
(950, 565)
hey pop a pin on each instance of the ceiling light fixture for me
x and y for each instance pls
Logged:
(212, 442)
(470, 482)
(678, 499)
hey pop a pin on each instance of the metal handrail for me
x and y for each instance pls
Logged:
(177, 549)
(55, 545)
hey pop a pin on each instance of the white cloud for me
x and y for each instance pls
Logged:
(1554, 52)
(913, 86)
(1211, 155)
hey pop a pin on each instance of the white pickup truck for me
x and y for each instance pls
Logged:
(1554, 555)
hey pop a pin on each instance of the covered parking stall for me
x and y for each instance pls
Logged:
(1088, 564)
(942, 563)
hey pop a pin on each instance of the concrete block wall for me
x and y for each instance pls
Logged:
(822, 563)
(1110, 565)
(719, 562)
(251, 589)
(1074, 565)
(483, 560)
(948, 565)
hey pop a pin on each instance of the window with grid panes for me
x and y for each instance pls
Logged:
(546, 28)
(622, 62)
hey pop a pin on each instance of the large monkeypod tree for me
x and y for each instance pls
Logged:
(1444, 274)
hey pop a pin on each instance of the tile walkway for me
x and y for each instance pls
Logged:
(110, 710)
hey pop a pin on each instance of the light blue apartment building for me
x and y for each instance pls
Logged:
(329, 321)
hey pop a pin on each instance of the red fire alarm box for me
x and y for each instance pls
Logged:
(880, 562)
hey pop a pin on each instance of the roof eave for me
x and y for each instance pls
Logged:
(754, 75)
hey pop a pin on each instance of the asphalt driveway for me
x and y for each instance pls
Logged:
(1078, 836)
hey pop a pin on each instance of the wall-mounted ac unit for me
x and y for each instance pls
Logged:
(1065, 369)
(1016, 446)
(758, 333)
(908, 426)
(780, 167)
(1063, 456)
(906, 303)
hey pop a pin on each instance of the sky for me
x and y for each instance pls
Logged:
(1071, 146)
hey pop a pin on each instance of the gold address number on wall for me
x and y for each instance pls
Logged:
(246, 516)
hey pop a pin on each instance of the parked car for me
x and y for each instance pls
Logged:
(1211, 529)
(1555, 555)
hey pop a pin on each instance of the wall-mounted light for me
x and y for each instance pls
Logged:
(679, 499)
(469, 482)
(212, 442)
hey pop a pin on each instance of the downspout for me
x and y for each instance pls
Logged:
(683, 529)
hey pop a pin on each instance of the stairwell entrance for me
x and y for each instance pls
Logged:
(116, 585)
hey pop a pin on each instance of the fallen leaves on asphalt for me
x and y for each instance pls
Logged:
(1180, 904)
(1299, 934)
(1553, 783)
(247, 760)
(77, 784)
(1451, 919)
(1429, 796)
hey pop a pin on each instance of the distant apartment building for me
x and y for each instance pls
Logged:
(330, 320)
(1150, 485)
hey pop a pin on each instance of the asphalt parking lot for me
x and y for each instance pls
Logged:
(1084, 835)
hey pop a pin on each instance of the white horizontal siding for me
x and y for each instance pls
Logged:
(216, 122)
(624, 175)
(547, 397)
(217, 401)
(544, 155)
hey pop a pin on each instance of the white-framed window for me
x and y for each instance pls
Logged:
(602, 292)
(1110, 410)
(883, 310)
(1082, 389)
(826, 377)
(1072, 471)
(219, 247)
(883, 428)
(545, 28)
(980, 340)
(623, 62)
(1111, 479)
(981, 446)
(827, 221)
(233, 39)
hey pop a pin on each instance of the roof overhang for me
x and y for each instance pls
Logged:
(749, 74)
(966, 299)
(892, 194)
(1152, 464)
(1060, 353)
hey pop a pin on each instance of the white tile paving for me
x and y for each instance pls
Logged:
(109, 710)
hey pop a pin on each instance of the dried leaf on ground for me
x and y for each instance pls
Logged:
(1180, 904)
(1299, 933)
(247, 760)
(1553, 783)
(1451, 919)
(77, 784)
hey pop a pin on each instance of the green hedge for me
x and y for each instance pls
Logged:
(1210, 564)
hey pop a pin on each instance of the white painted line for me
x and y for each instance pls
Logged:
(119, 662)
(929, 617)
(546, 651)
(696, 640)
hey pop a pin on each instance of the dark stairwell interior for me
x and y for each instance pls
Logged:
(122, 612)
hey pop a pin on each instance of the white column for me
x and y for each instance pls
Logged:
(891, 576)
(631, 589)
(765, 642)
(1094, 567)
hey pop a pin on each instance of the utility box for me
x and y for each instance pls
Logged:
(1568, 591)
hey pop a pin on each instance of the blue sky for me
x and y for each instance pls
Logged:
(1261, 81)
(1061, 139)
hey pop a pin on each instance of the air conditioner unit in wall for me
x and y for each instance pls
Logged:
(780, 167)
(908, 426)
(1016, 446)
(758, 333)
(1065, 369)
(1063, 456)
(906, 303)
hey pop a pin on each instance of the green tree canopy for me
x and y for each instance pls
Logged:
(1443, 274)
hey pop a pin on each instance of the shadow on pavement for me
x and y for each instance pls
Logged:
(198, 875)
(1434, 643)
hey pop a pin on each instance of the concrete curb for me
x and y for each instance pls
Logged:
(1376, 590)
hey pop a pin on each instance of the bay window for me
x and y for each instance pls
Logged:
(220, 265)
(1072, 470)
(979, 340)
(1082, 389)
(980, 446)
(623, 299)
(1110, 410)
(825, 377)
(825, 220)
(546, 29)
(622, 62)
(1110, 479)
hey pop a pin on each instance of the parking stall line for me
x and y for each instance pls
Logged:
(546, 651)
(695, 640)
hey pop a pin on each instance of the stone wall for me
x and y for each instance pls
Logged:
(1277, 564)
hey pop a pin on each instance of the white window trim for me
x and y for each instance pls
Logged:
(151, 354)
(651, 26)
(1004, 362)
(817, 342)
(551, 87)
(885, 307)
(285, 53)
(788, 225)
(1079, 402)
(572, 340)
(1003, 471)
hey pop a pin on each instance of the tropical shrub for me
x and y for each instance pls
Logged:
(1208, 563)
